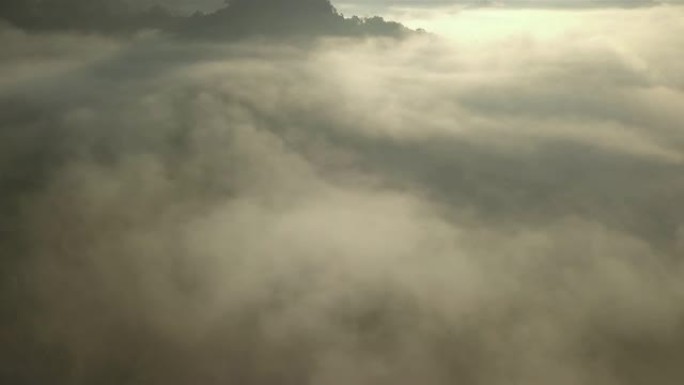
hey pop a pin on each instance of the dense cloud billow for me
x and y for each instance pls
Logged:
(344, 211)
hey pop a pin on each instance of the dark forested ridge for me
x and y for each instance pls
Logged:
(238, 18)
(286, 17)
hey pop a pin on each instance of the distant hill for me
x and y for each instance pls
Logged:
(237, 19)
(84, 15)
(286, 17)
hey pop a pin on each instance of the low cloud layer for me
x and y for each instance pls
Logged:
(344, 212)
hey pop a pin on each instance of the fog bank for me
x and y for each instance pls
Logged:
(344, 211)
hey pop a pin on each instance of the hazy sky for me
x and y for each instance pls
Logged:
(381, 6)
(496, 203)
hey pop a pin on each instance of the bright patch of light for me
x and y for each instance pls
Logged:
(493, 24)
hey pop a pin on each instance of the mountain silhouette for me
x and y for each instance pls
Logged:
(286, 18)
(237, 19)
(104, 16)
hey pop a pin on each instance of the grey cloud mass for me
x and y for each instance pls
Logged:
(344, 210)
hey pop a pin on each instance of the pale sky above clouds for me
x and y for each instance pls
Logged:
(381, 6)
(489, 20)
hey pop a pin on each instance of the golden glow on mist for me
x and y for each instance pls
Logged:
(494, 24)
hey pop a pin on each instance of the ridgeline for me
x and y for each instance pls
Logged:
(236, 19)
